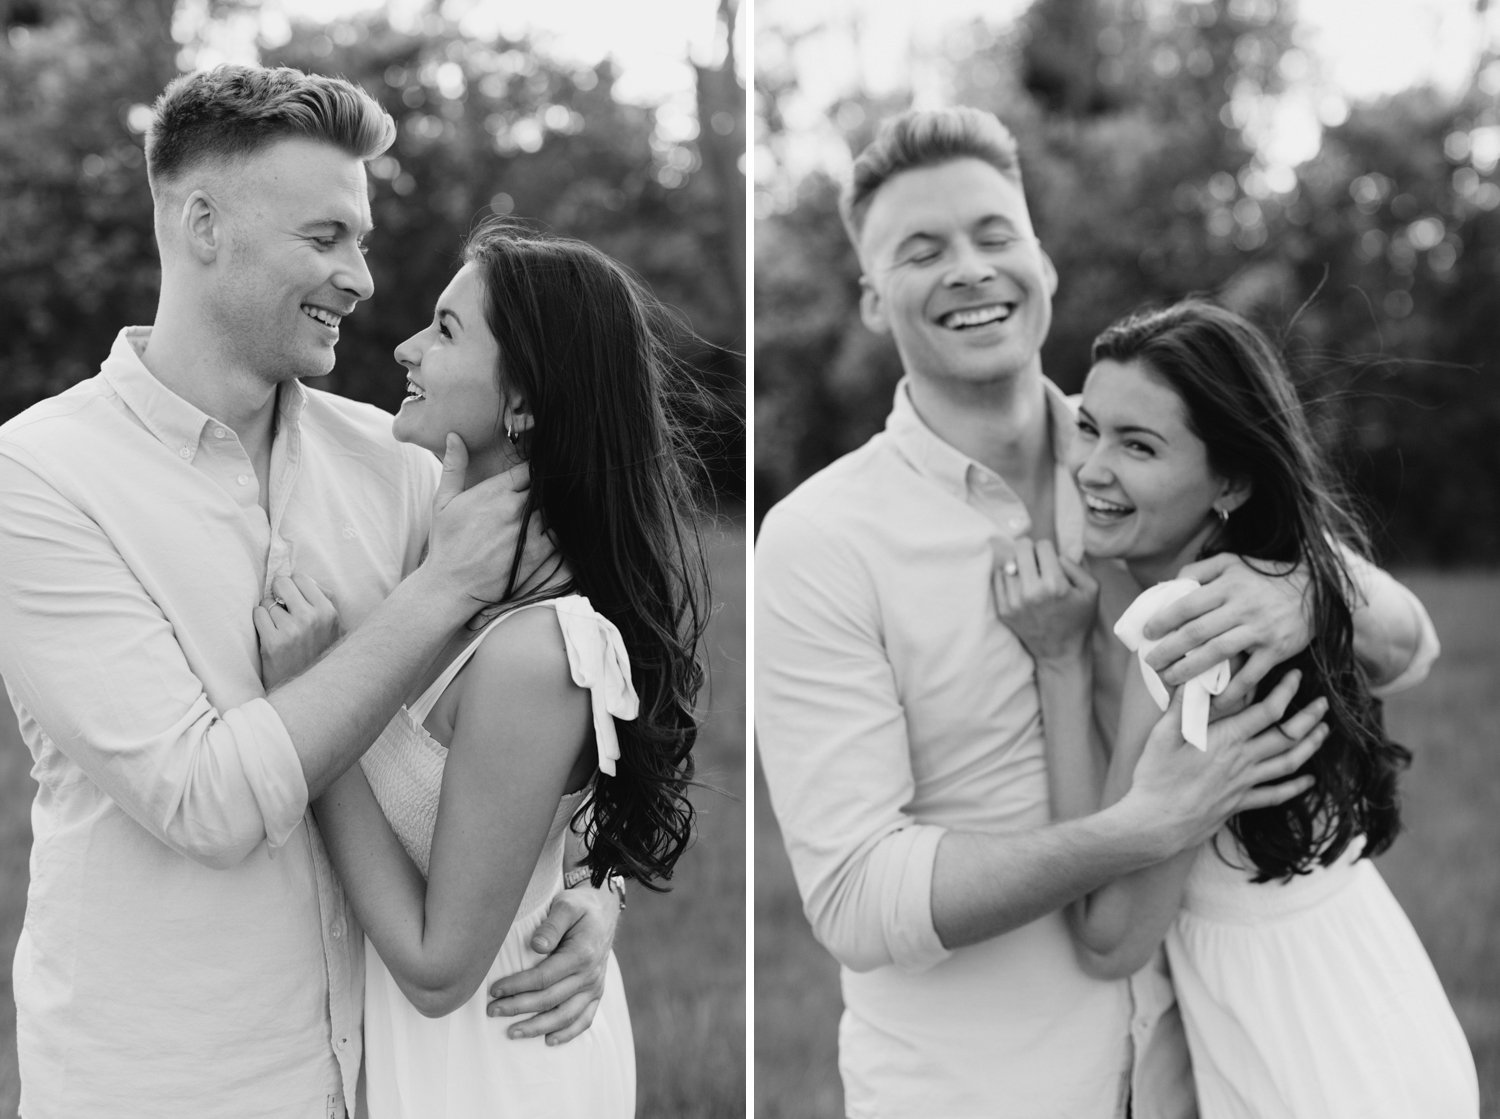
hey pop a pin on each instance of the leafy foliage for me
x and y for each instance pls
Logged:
(1140, 125)
(483, 126)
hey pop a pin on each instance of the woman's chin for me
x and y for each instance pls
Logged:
(1103, 544)
(407, 432)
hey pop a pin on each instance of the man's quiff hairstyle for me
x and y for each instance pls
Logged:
(234, 111)
(925, 138)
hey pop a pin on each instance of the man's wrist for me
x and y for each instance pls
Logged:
(441, 594)
(1146, 832)
(1064, 661)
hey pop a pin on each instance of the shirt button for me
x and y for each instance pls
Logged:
(220, 433)
(186, 452)
(338, 932)
(243, 479)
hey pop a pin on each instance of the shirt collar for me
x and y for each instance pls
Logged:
(176, 423)
(957, 473)
(945, 463)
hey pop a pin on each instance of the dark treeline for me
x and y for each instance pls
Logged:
(483, 127)
(1379, 267)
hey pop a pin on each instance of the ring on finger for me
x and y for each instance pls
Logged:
(1011, 567)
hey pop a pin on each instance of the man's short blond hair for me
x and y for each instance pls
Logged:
(925, 138)
(233, 111)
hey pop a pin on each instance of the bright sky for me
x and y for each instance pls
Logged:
(652, 42)
(1365, 48)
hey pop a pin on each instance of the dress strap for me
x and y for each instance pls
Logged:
(425, 702)
(597, 660)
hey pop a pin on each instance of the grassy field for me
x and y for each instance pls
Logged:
(1443, 869)
(682, 954)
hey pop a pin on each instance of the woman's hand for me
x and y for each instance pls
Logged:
(1047, 600)
(296, 625)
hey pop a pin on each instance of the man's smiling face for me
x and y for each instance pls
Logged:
(296, 266)
(954, 274)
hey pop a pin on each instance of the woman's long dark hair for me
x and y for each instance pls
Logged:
(1240, 401)
(586, 346)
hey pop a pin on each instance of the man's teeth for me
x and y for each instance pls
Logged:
(976, 316)
(327, 318)
(1099, 505)
(413, 392)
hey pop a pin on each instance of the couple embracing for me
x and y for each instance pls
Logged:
(339, 753)
(1068, 711)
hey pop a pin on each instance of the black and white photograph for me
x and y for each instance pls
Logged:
(1125, 544)
(372, 560)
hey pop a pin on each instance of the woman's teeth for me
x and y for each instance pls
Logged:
(1107, 508)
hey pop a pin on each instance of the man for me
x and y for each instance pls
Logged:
(898, 721)
(187, 950)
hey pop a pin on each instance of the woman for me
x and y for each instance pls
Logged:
(1303, 988)
(570, 703)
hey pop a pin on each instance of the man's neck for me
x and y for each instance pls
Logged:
(1001, 424)
(213, 381)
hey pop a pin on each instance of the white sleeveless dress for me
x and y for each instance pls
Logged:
(463, 1066)
(1312, 999)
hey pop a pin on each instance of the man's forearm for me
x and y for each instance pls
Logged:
(1390, 626)
(984, 885)
(334, 710)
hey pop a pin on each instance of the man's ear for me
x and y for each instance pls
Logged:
(203, 231)
(871, 307)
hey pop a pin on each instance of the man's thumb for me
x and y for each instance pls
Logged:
(455, 465)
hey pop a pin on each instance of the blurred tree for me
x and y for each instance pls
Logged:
(1141, 125)
(1403, 239)
(75, 216)
(483, 127)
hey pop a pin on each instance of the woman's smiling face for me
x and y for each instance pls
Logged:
(452, 365)
(1149, 492)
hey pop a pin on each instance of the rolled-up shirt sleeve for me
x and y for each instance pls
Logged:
(90, 657)
(1392, 620)
(835, 752)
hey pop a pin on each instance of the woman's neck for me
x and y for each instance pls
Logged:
(1159, 567)
(551, 572)
(490, 460)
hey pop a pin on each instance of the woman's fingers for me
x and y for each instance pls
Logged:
(265, 623)
(1077, 574)
(1288, 756)
(1053, 581)
(1265, 796)
(285, 588)
(311, 592)
(1256, 718)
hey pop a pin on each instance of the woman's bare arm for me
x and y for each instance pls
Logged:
(518, 728)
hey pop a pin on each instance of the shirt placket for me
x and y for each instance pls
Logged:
(340, 954)
(286, 462)
(340, 961)
(987, 492)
